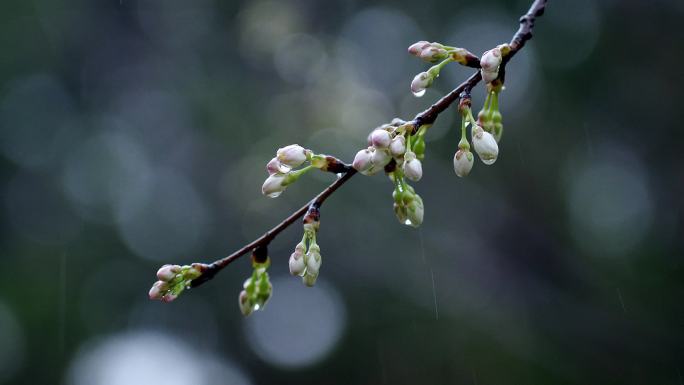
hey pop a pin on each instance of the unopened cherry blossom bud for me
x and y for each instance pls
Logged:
(463, 162)
(168, 297)
(158, 290)
(420, 82)
(296, 263)
(362, 160)
(293, 155)
(413, 169)
(433, 54)
(274, 185)
(380, 158)
(314, 260)
(168, 272)
(491, 60)
(380, 138)
(309, 279)
(275, 167)
(489, 76)
(398, 146)
(415, 211)
(416, 48)
(485, 145)
(245, 304)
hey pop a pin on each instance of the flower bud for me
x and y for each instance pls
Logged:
(489, 76)
(362, 160)
(491, 60)
(275, 167)
(274, 185)
(293, 155)
(485, 145)
(401, 213)
(309, 279)
(433, 54)
(463, 162)
(397, 146)
(158, 290)
(313, 263)
(380, 138)
(416, 48)
(415, 211)
(168, 272)
(168, 297)
(420, 82)
(380, 158)
(413, 169)
(297, 263)
(245, 303)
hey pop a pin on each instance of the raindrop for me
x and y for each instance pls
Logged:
(408, 222)
(339, 175)
(419, 93)
(488, 161)
(274, 194)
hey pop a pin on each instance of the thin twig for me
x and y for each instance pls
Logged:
(428, 116)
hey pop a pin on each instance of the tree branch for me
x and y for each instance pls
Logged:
(428, 116)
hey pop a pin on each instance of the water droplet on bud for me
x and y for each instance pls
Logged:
(488, 161)
(419, 93)
(274, 194)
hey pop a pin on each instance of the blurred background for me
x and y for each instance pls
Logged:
(135, 133)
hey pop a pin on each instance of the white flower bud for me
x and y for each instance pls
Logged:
(416, 48)
(362, 160)
(380, 138)
(420, 82)
(168, 272)
(463, 162)
(491, 60)
(380, 158)
(489, 76)
(273, 186)
(313, 263)
(275, 167)
(293, 155)
(158, 290)
(398, 146)
(413, 168)
(485, 145)
(297, 263)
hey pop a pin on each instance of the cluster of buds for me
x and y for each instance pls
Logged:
(440, 54)
(173, 279)
(281, 171)
(401, 152)
(484, 143)
(257, 289)
(491, 60)
(306, 260)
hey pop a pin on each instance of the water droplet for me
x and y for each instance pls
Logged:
(274, 194)
(419, 93)
(256, 307)
(339, 175)
(488, 161)
(408, 222)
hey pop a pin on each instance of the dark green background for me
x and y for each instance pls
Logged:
(135, 133)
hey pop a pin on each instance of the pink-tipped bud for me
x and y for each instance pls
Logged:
(158, 290)
(275, 167)
(463, 162)
(362, 160)
(413, 168)
(433, 54)
(293, 155)
(296, 263)
(398, 146)
(491, 60)
(380, 138)
(168, 272)
(416, 48)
